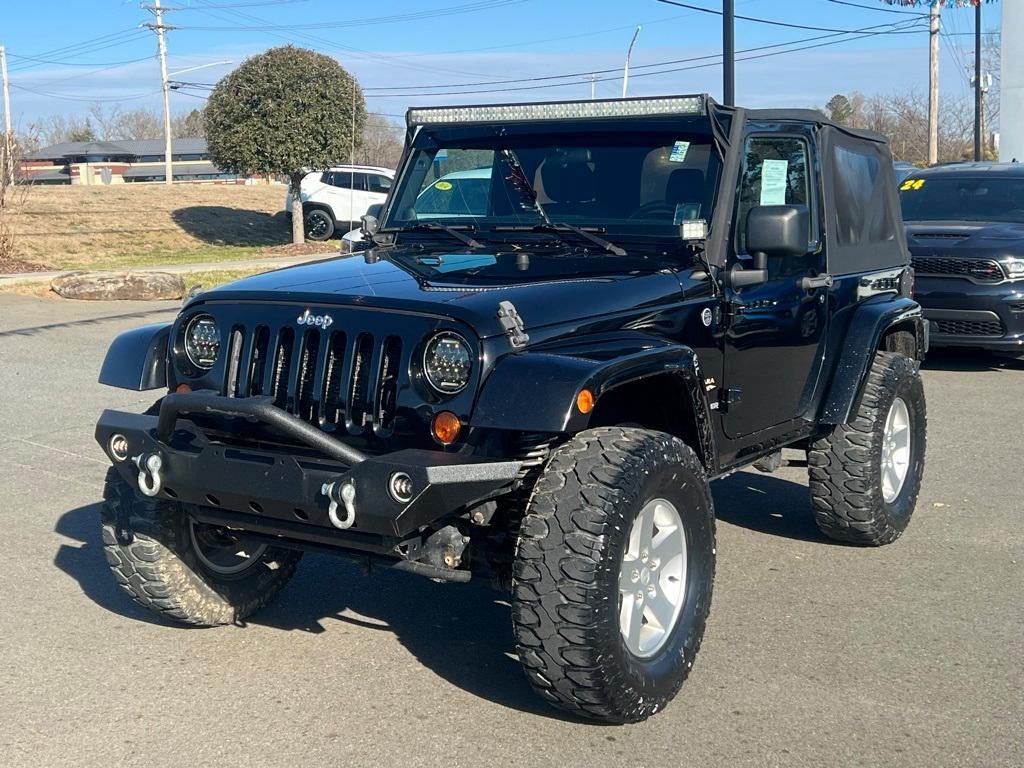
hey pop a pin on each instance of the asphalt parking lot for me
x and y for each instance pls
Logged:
(816, 654)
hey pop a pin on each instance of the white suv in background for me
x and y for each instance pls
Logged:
(339, 196)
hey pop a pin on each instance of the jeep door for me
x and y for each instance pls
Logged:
(775, 331)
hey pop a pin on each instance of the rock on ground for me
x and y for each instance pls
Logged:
(116, 286)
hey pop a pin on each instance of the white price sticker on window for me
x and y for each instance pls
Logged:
(679, 150)
(774, 177)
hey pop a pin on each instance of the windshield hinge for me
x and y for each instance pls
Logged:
(513, 324)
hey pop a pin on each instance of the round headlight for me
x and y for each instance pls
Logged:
(447, 363)
(202, 341)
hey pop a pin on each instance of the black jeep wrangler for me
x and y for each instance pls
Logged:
(571, 317)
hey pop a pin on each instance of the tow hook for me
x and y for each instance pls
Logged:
(149, 466)
(343, 494)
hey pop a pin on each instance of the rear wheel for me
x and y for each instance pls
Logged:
(319, 224)
(190, 572)
(865, 475)
(613, 573)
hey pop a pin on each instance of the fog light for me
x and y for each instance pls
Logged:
(446, 427)
(400, 487)
(119, 447)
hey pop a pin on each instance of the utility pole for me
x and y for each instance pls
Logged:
(933, 84)
(629, 53)
(8, 169)
(729, 52)
(593, 86)
(161, 44)
(978, 85)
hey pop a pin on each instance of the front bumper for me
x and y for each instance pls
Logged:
(290, 494)
(963, 313)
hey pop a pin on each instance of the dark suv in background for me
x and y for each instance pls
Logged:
(965, 230)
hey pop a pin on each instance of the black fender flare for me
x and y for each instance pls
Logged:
(870, 322)
(536, 391)
(137, 359)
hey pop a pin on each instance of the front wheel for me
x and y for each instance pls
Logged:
(319, 224)
(187, 571)
(865, 475)
(613, 573)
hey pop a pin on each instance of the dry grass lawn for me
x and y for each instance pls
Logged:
(129, 225)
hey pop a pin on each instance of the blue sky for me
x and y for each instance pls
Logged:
(435, 42)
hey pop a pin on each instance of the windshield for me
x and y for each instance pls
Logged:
(636, 184)
(976, 198)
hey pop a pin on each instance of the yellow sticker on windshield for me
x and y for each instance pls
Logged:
(912, 184)
(444, 186)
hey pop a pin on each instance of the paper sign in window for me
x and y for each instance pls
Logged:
(774, 177)
(679, 150)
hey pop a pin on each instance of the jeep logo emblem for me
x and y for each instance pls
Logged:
(320, 321)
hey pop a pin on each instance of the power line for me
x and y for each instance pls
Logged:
(328, 45)
(587, 73)
(79, 63)
(875, 8)
(66, 97)
(111, 40)
(480, 5)
(758, 20)
(640, 74)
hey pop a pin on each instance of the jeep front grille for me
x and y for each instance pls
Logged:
(331, 379)
(982, 270)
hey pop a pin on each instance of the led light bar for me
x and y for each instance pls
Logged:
(564, 110)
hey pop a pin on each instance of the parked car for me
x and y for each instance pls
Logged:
(965, 231)
(459, 194)
(534, 387)
(338, 197)
(903, 169)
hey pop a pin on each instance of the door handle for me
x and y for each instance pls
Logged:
(819, 281)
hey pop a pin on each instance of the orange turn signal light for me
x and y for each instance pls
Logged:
(585, 401)
(446, 427)
(183, 388)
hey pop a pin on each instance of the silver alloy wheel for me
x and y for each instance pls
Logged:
(895, 450)
(652, 578)
(223, 551)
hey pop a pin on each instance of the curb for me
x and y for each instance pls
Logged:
(33, 278)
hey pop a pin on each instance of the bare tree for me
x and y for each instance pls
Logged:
(382, 142)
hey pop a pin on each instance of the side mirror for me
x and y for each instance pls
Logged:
(772, 230)
(778, 230)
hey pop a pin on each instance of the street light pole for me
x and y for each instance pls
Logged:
(978, 85)
(729, 52)
(629, 53)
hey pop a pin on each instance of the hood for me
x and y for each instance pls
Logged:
(546, 288)
(953, 238)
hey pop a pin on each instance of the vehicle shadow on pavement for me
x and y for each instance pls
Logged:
(222, 225)
(767, 504)
(461, 632)
(87, 565)
(973, 360)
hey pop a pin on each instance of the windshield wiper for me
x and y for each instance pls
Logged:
(557, 227)
(433, 226)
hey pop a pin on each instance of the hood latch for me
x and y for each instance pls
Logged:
(513, 324)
